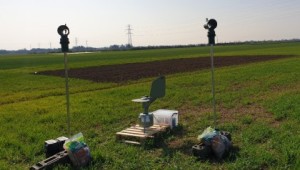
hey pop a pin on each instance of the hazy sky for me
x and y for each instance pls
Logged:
(33, 23)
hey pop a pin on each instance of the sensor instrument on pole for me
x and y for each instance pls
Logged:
(64, 31)
(211, 26)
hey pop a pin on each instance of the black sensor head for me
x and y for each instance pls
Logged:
(211, 24)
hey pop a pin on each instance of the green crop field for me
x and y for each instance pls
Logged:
(258, 103)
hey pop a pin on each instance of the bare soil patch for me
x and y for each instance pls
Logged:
(134, 71)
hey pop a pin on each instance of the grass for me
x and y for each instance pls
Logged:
(258, 103)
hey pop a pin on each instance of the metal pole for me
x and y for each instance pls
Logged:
(213, 83)
(144, 124)
(67, 93)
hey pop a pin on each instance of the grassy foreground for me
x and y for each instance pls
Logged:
(258, 103)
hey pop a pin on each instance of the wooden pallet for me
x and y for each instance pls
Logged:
(137, 135)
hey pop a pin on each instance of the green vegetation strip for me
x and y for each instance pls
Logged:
(258, 103)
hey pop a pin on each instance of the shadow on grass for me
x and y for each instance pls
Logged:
(185, 147)
(169, 148)
(229, 157)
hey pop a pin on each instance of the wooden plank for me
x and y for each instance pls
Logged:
(147, 130)
(140, 130)
(137, 132)
(132, 142)
(130, 134)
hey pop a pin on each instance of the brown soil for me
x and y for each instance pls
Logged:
(134, 71)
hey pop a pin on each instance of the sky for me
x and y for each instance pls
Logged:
(101, 23)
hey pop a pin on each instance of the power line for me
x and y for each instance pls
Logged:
(129, 33)
(86, 47)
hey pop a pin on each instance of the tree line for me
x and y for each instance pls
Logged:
(116, 47)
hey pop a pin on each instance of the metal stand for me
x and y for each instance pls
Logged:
(64, 31)
(211, 26)
(67, 93)
(213, 83)
(158, 89)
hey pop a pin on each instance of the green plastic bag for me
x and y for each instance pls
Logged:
(78, 151)
(207, 135)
